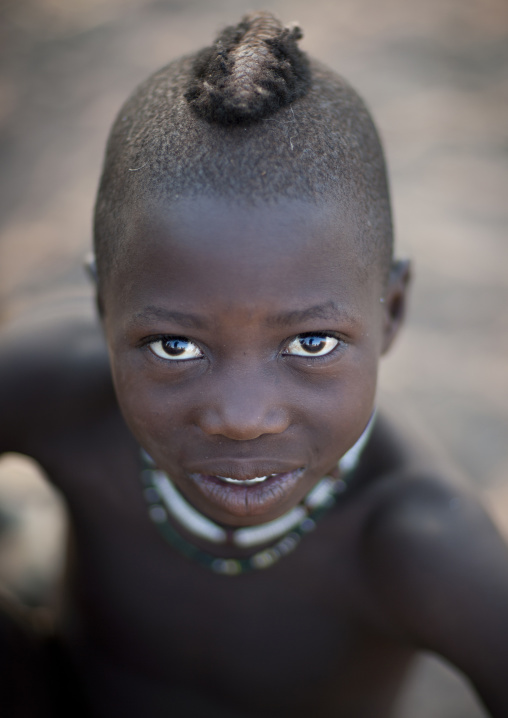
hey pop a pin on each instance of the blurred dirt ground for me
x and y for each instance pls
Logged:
(435, 75)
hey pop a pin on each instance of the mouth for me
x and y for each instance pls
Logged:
(244, 497)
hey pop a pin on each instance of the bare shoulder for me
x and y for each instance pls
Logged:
(438, 568)
(54, 374)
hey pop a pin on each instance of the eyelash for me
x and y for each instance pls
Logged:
(146, 343)
(341, 344)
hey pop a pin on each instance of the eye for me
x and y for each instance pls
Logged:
(305, 345)
(175, 348)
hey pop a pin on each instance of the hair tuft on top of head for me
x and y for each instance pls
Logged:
(252, 70)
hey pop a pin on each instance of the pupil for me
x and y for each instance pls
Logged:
(312, 344)
(174, 347)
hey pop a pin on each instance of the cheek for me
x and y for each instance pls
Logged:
(143, 403)
(348, 407)
(336, 411)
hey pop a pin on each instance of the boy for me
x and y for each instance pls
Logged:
(247, 290)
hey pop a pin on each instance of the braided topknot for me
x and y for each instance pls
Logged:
(252, 70)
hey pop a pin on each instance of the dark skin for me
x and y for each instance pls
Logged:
(406, 560)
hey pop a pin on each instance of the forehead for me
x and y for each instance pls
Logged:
(206, 226)
(212, 246)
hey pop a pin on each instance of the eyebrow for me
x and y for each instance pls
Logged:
(327, 311)
(153, 313)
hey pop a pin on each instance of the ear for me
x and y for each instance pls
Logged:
(395, 301)
(90, 267)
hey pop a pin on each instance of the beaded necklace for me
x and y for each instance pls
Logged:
(163, 498)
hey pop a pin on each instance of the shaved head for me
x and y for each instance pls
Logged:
(250, 119)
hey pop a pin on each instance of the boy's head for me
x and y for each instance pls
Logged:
(243, 240)
(250, 119)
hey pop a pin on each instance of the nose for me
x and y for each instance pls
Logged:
(243, 406)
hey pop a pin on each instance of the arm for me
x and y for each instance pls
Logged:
(439, 568)
(53, 375)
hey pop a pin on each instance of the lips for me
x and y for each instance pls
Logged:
(242, 494)
(240, 468)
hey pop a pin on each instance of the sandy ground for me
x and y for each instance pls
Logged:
(435, 76)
